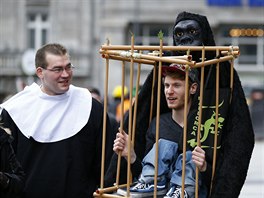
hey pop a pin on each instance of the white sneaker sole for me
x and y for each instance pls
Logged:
(123, 192)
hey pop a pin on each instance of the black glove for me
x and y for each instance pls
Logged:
(4, 180)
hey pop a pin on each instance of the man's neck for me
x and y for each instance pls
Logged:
(178, 115)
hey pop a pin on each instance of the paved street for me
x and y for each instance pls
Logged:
(254, 185)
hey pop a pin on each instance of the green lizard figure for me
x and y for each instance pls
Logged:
(208, 127)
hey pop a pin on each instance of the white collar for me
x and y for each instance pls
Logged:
(48, 118)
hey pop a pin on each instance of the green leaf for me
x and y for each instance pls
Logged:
(160, 35)
(132, 34)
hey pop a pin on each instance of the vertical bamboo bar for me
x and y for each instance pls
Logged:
(152, 93)
(122, 97)
(185, 124)
(199, 123)
(130, 118)
(231, 75)
(121, 122)
(216, 119)
(104, 121)
(158, 121)
(135, 104)
(185, 128)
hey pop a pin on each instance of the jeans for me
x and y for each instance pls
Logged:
(169, 165)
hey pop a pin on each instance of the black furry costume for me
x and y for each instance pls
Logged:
(237, 138)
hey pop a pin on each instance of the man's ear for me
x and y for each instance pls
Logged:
(193, 88)
(39, 72)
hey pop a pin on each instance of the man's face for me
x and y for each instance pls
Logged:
(56, 78)
(187, 33)
(174, 90)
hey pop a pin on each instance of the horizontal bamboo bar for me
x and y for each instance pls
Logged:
(137, 56)
(213, 61)
(167, 48)
(108, 195)
(236, 53)
(110, 189)
(143, 61)
(185, 57)
(102, 192)
(167, 59)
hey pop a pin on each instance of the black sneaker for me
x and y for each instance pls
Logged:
(140, 189)
(175, 192)
(143, 187)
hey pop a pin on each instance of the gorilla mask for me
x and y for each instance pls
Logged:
(187, 33)
(193, 30)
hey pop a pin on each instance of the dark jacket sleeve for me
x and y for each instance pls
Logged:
(207, 175)
(98, 121)
(16, 175)
(10, 167)
(237, 146)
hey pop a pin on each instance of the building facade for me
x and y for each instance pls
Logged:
(84, 25)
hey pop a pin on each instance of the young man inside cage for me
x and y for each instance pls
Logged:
(170, 155)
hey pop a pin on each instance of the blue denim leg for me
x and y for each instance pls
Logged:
(166, 156)
(176, 177)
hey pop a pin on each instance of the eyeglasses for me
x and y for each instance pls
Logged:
(59, 70)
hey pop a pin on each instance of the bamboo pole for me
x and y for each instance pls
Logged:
(109, 189)
(130, 118)
(216, 122)
(157, 122)
(128, 54)
(214, 61)
(152, 93)
(135, 105)
(168, 59)
(185, 125)
(108, 195)
(184, 57)
(199, 123)
(151, 60)
(143, 61)
(231, 77)
(121, 122)
(234, 53)
(136, 56)
(104, 122)
(168, 48)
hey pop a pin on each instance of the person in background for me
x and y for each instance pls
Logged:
(113, 106)
(57, 129)
(96, 94)
(134, 93)
(12, 176)
(126, 106)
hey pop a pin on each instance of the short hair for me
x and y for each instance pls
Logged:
(174, 74)
(94, 90)
(177, 75)
(52, 48)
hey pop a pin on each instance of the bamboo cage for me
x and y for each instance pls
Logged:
(135, 55)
